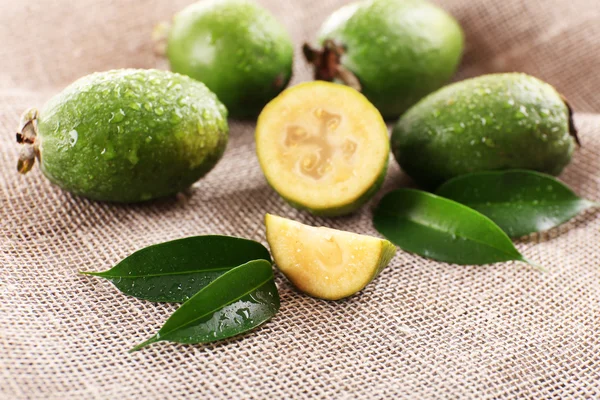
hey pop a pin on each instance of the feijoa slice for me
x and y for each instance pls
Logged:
(323, 147)
(324, 262)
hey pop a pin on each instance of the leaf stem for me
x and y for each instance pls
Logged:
(90, 273)
(153, 339)
(535, 265)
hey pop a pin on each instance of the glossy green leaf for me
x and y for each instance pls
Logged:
(520, 202)
(442, 229)
(237, 301)
(175, 271)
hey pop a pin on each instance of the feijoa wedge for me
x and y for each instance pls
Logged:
(324, 262)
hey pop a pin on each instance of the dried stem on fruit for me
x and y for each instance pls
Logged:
(327, 64)
(27, 135)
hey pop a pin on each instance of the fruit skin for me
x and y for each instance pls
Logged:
(237, 48)
(492, 122)
(274, 226)
(345, 209)
(131, 135)
(339, 210)
(400, 50)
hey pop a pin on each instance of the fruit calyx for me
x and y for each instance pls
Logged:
(572, 127)
(327, 63)
(27, 135)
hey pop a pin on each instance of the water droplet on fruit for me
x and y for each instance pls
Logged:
(175, 117)
(133, 156)
(117, 117)
(73, 136)
(108, 152)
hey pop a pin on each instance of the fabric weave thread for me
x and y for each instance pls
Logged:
(423, 329)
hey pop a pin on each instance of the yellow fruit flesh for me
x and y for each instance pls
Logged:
(323, 262)
(321, 145)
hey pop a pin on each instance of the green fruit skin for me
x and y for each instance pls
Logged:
(493, 122)
(235, 47)
(131, 135)
(388, 252)
(400, 50)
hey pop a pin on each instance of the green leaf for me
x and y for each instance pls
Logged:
(442, 229)
(237, 301)
(520, 202)
(175, 271)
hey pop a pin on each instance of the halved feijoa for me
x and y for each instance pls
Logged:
(323, 147)
(324, 262)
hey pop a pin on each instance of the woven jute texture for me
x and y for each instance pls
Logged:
(423, 329)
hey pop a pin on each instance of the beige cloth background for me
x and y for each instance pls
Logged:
(422, 330)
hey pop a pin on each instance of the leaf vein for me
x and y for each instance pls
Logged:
(438, 229)
(217, 309)
(168, 274)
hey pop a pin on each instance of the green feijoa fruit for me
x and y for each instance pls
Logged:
(236, 47)
(126, 135)
(493, 122)
(395, 51)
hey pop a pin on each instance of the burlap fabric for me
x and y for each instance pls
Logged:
(423, 329)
